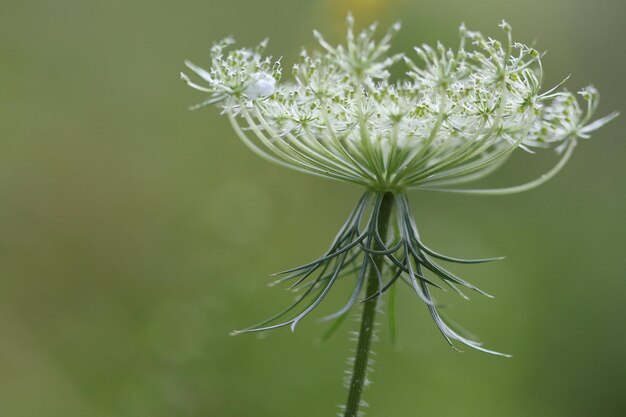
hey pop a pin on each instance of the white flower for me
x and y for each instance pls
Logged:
(457, 115)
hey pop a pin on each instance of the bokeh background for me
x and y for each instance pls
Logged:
(135, 234)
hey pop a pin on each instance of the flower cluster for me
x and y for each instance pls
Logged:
(456, 116)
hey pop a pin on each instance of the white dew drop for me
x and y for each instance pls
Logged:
(262, 85)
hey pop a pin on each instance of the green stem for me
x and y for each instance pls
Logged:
(366, 331)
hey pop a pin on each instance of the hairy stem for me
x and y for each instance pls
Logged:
(368, 315)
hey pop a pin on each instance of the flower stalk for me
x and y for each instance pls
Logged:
(368, 315)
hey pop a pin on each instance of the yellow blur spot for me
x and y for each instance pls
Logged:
(365, 12)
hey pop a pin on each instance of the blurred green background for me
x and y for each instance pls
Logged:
(135, 234)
